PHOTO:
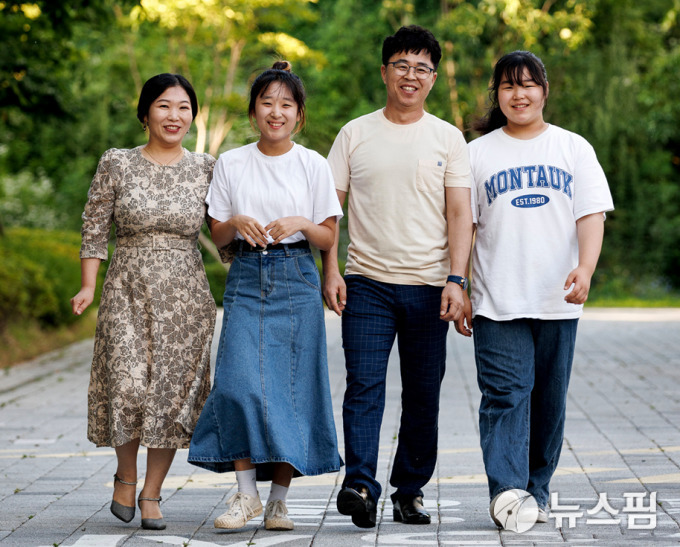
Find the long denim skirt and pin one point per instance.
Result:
(270, 399)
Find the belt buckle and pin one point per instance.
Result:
(258, 249)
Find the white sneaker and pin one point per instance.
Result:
(542, 515)
(276, 516)
(242, 508)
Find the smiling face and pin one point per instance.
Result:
(169, 117)
(522, 103)
(406, 93)
(276, 115)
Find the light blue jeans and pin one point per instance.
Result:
(523, 370)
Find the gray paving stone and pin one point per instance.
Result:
(622, 438)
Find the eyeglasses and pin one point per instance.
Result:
(402, 69)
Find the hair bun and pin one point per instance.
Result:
(282, 65)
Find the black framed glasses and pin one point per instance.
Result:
(402, 68)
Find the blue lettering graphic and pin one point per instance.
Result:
(502, 178)
(542, 180)
(530, 200)
(490, 188)
(515, 178)
(566, 181)
(537, 176)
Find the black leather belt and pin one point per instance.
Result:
(246, 247)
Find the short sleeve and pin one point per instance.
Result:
(458, 164)
(338, 159)
(591, 191)
(98, 214)
(474, 196)
(326, 203)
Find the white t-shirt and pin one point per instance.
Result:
(396, 177)
(526, 198)
(298, 183)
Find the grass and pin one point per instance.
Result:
(633, 302)
(26, 340)
(623, 292)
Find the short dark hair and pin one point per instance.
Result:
(510, 67)
(281, 71)
(412, 39)
(155, 86)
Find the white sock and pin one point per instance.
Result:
(277, 492)
(246, 482)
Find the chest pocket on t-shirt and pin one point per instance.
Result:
(430, 175)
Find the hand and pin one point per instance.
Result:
(335, 292)
(464, 323)
(281, 228)
(82, 300)
(251, 230)
(580, 279)
(452, 303)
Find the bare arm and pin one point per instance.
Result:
(334, 289)
(590, 230)
(88, 274)
(464, 323)
(459, 223)
(320, 235)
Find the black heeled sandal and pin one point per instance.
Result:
(151, 524)
(123, 512)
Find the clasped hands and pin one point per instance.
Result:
(257, 235)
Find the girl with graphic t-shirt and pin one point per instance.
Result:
(538, 198)
(269, 413)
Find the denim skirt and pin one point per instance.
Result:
(270, 399)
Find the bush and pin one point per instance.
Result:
(39, 273)
(25, 291)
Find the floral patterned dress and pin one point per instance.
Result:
(151, 368)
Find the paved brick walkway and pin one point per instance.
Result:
(622, 448)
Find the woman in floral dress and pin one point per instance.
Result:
(151, 368)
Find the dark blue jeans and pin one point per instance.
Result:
(523, 370)
(375, 314)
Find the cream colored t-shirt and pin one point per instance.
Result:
(396, 175)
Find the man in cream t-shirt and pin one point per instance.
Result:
(410, 225)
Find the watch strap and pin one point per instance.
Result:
(462, 282)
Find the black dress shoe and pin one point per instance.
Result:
(358, 504)
(409, 510)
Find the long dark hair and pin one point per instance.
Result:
(510, 67)
(279, 72)
(155, 86)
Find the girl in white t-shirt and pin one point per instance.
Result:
(269, 413)
(538, 198)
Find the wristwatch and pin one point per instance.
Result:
(458, 280)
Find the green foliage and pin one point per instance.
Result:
(39, 273)
(24, 289)
(71, 71)
(37, 49)
(217, 278)
(350, 34)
